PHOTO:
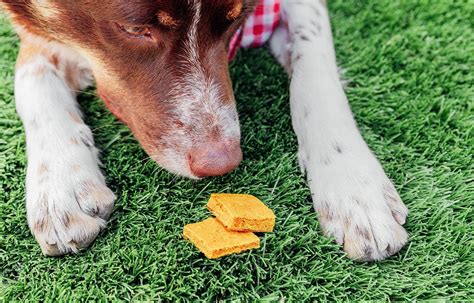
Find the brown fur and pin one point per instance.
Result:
(135, 76)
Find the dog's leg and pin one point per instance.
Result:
(67, 199)
(356, 202)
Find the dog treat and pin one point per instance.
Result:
(242, 212)
(215, 241)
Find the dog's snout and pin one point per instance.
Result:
(214, 159)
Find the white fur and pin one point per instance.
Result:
(45, 8)
(200, 102)
(203, 94)
(356, 202)
(66, 197)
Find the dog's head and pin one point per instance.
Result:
(161, 66)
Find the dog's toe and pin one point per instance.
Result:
(362, 211)
(363, 243)
(62, 231)
(367, 238)
(68, 217)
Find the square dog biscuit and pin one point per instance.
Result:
(242, 212)
(215, 241)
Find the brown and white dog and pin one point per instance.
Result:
(161, 67)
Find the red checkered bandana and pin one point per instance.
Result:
(258, 28)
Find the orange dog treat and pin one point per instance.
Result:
(215, 241)
(241, 212)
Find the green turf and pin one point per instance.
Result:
(411, 69)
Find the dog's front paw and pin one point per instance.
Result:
(67, 205)
(358, 205)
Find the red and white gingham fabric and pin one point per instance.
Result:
(258, 28)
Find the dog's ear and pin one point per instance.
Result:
(16, 7)
(9, 5)
(20, 12)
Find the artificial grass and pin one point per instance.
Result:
(410, 64)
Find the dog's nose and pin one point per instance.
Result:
(214, 159)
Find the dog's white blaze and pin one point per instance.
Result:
(201, 94)
(192, 39)
(61, 158)
(195, 95)
(348, 185)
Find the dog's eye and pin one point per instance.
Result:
(137, 31)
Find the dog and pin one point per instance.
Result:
(161, 67)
